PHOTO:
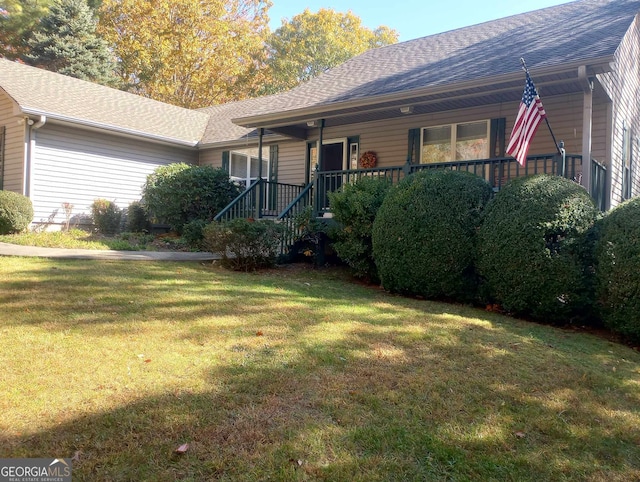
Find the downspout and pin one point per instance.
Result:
(587, 121)
(32, 126)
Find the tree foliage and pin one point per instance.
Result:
(66, 42)
(192, 53)
(17, 19)
(311, 43)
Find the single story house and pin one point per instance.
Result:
(447, 100)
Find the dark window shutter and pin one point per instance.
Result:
(273, 163)
(413, 152)
(496, 138)
(225, 160)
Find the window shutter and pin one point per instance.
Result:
(496, 138)
(413, 148)
(225, 161)
(273, 163)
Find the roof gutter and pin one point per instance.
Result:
(108, 127)
(265, 120)
(242, 142)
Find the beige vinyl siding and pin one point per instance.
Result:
(14, 145)
(291, 158)
(211, 157)
(622, 86)
(599, 131)
(78, 166)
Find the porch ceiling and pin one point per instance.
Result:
(510, 90)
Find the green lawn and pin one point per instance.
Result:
(297, 374)
(81, 239)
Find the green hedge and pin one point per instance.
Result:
(16, 212)
(618, 269)
(531, 248)
(424, 234)
(179, 193)
(244, 244)
(137, 218)
(354, 208)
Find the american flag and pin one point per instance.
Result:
(529, 116)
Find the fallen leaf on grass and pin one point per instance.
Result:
(296, 462)
(76, 456)
(182, 449)
(148, 360)
(520, 434)
(259, 333)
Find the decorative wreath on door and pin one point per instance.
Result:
(368, 160)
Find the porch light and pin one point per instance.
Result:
(407, 109)
(311, 123)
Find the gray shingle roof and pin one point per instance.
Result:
(220, 127)
(547, 38)
(564, 34)
(39, 91)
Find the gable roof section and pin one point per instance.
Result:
(220, 129)
(561, 37)
(67, 99)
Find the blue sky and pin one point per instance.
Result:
(413, 18)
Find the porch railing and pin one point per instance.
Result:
(288, 216)
(496, 172)
(331, 181)
(499, 171)
(243, 206)
(270, 199)
(261, 199)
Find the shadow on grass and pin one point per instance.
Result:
(401, 390)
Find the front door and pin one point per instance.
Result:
(333, 158)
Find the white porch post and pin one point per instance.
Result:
(587, 120)
(261, 189)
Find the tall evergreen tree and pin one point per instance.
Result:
(17, 19)
(66, 42)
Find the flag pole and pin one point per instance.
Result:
(559, 147)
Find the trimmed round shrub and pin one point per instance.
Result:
(193, 233)
(424, 234)
(106, 216)
(16, 212)
(618, 269)
(137, 218)
(354, 208)
(178, 193)
(244, 244)
(531, 248)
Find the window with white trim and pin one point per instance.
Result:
(455, 142)
(244, 166)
